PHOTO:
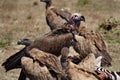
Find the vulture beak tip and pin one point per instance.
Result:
(19, 42)
(82, 18)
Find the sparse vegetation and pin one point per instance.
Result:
(26, 20)
(83, 2)
(6, 40)
(109, 24)
(110, 29)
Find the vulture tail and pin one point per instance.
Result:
(14, 61)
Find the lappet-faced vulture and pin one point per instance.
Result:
(56, 18)
(92, 42)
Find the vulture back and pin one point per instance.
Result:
(53, 43)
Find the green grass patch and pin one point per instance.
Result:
(6, 39)
(110, 29)
(109, 23)
(82, 2)
(112, 40)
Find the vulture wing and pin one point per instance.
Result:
(64, 14)
(14, 61)
(75, 72)
(34, 70)
(51, 61)
(92, 42)
(53, 19)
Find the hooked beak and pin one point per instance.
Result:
(45, 0)
(19, 42)
(82, 18)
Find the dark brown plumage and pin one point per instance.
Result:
(53, 17)
(56, 18)
(92, 42)
(51, 43)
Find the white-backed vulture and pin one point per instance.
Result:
(61, 18)
(35, 71)
(43, 66)
(92, 42)
(88, 63)
(76, 72)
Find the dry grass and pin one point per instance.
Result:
(26, 18)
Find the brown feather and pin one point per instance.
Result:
(74, 72)
(34, 70)
(56, 18)
(47, 59)
(92, 42)
(77, 72)
(53, 43)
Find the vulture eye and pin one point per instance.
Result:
(76, 16)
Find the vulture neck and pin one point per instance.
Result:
(48, 4)
(76, 26)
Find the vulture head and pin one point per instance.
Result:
(24, 41)
(76, 19)
(45, 1)
(48, 3)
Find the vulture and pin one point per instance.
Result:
(84, 43)
(35, 71)
(52, 43)
(74, 71)
(42, 66)
(56, 18)
(88, 41)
